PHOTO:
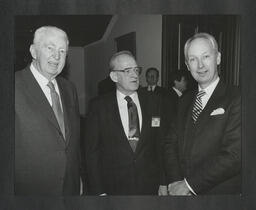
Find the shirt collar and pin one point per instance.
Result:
(209, 90)
(179, 93)
(151, 87)
(39, 77)
(122, 96)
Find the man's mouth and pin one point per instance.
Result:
(53, 64)
(134, 81)
(202, 73)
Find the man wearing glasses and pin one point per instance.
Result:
(122, 152)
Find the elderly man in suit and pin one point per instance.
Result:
(47, 157)
(208, 133)
(122, 152)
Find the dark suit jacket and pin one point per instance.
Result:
(174, 99)
(45, 163)
(162, 104)
(157, 90)
(209, 152)
(112, 166)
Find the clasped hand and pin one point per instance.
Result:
(178, 188)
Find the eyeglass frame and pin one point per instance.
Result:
(128, 70)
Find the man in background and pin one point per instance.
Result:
(47, 152)
(178, 86)
(152, 77)
(122, 152)
(208, 132)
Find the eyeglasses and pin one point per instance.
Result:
(129, 70)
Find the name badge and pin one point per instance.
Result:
(155, 122)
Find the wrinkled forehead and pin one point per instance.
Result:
(52, 35)
(124, 61)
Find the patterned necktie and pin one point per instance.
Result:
(134, 128)
(57, 108)
(197, 108)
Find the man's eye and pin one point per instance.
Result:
(191, 60)
(49, 48)
(63, 51)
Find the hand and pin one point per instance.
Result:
(162, 190)
(178, 188)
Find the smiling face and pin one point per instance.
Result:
(125, 83)
(49, 53)
(202, 61)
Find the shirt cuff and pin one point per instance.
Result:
(189, 187)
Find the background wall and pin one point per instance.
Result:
(76, 73)
(148, 30)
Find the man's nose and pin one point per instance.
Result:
(200, 63)
(56, 55)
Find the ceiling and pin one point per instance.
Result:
(81, 30)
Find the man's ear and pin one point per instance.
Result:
(218, 58)
(32, 51)
(113, 76)
(187, 65)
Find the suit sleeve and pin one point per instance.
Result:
(171, 160)
(227, 162)
(92, 151)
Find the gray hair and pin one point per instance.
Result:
(112, 59)
(42, 31)
(205, 36)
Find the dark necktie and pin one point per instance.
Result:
(134, 127)
(57, 108)
(197, 108)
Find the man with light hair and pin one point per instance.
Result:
(47, 153)
(208, 132)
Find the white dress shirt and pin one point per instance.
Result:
(151, 88)
(123, 110)
(179, 93)
(209, 90)
(42, 81)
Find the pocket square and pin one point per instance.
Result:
(218, 111)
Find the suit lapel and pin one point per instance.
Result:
(186, 111)
(66, 106)
(213, 101)
(37, 96)
(113, 112)
(145, 120)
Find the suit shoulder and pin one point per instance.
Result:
(19, 77)
(102, 99)
(232, 91)
(67, 83)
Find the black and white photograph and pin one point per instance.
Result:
(136, 105)
(150, 107)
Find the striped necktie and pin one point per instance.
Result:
(57, 108)
(134, 127)
(197, 108)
